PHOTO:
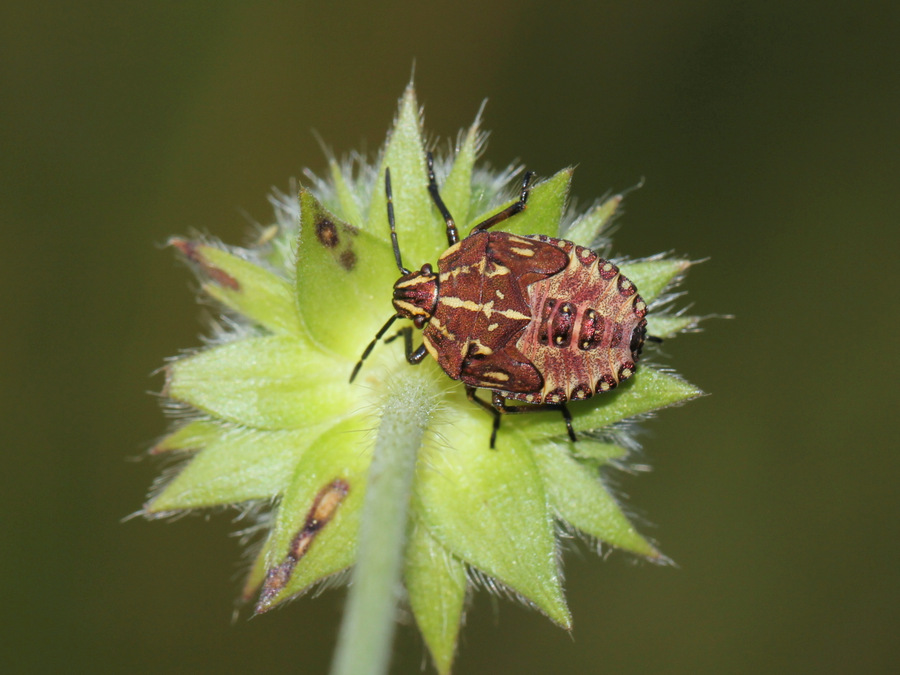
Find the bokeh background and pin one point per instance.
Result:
(768, 137)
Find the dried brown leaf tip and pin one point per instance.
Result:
(320, 514)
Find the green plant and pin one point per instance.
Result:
(393, 473)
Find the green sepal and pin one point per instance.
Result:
(243, 464)
(647, 391)
(244, 287)
(340, 454)
(350, 210)
(420, 230)
(599, 452)
(344, 275)
(436, 585)
(587, 229)
(669, 325)
(194, 435)
(651, 277)
(546, 204)
(471, 495)
(580, 499)
(264, 383)
(262, 296)
(457, 189)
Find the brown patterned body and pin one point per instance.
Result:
(534, 318)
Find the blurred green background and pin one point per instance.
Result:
(768, 136)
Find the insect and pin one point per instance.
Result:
(531, 318)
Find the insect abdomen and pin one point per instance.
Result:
(587, 328)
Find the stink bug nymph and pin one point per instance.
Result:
(531, 318)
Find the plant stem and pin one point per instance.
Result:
(367, 630)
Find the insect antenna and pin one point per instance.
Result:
(390, 211)
(452, 232)
(384, 329)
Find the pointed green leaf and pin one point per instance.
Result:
(342, 454)
(241, 465)
(648, 390)
(350, 210)
(471, 495)
(599, 452)
(546, 205)
(244, 287)
(581, 500)
(194, 435)
(457, 189)
(669, 325)
(345, 279)
(436, 582)
(421, 233)
(586, 230)
(265, 383)
(651, 277)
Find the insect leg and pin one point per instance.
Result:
(452, 232)
(470, 394)
(512, 209)
(368, 350)
(567, 418)
(499, 402)
(414, 357)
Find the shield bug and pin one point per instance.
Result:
(531, 318)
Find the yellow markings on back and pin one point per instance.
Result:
(429, 347)
(487, 308)
(512, 314)
(493, 327)
(499, 294)
(497, 375)
(499, 270)
(455, 272)
(441, 328)
(489, 312)
(481, 348)
(450, 251)
(458, 303)
(526, 252)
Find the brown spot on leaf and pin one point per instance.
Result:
(327, 233)
(348, 259)
(191, 251)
